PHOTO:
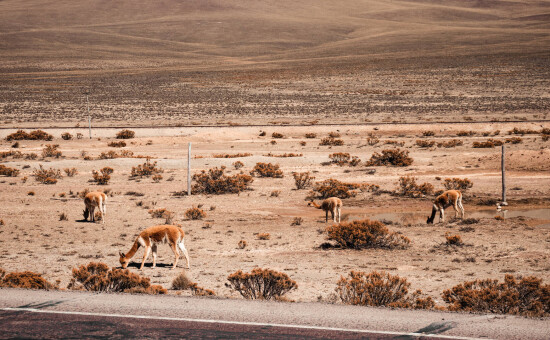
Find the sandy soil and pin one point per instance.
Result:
(34, 239)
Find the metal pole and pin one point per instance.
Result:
(189, 171)
(89, 117)
(503, 167)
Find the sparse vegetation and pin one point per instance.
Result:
(311, 135)
(146, 169)
(9, 172)
(425, 143)
(33, 135)
(388, 157)
(514, 140)
(235, 155)
(49, 176)
(408, 187)
(181, 282)
(465, 133)
(238, 164)
(103, 176)
(453, 240)
(195, 213)
(334, 188)
(267, 170)
(277, 135)
(242, 244)
(264, 236)
(51, 150)
(344, 158)
(489, 143)
(450, 143)
(361, 234)
(119, 144)
(70, 171)
(66, 136)
(302, 180)
(264, 284)
(428, 133)
(63, 217)
(462, 184)
(26, 279)
(125, 134)
(216, 182)
(331, 141)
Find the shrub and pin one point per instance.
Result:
(365, 233)
(450, 144)
(394, 142)
(518, 296)
(372, 140)
(331, 141)
(242, 244)
(489, 143)
(238, 165)
(275, 193)
(267, 170)
(297, 221)
(7, 171)
(119, 144)
(159, 213)
(51, 150)
(264, 236)
(393, 157)
(71, 171)
(156, 178)
(125, 134)
(380, 289)
(428, 133)
(236, 155)
(453, 240)
(67, 136)
(522, 132)
(26, 279)
(457, 184)
(425, 143)
(195, 213)
(334, 134)
(514, 140)
(265, 284)
(216, 182)
(284, 155)
(199, 291)
(465, 133)
(97, 277)
(340, 158)
(408, 187)
(103, 176)
(302, 180)
(181, 282)
(44, 176)
(277, 135)
(311, 135)
(146, 169)
(334, 188)
(63, 217)
(33, 135)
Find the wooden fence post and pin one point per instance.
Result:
(503, 168)
(189, 171)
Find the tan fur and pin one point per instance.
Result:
(448, 198)
(93, 200)
(150, 238)
(332, 205)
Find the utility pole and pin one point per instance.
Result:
(189, 170)
(503, 167)
(89, 117)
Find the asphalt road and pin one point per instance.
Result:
(67, 314)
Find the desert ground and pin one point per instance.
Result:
(218, 73)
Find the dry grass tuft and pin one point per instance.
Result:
(525, 296)
(238, 164)
(70, 171)
(425, 143)
(267, 170)
(216, 182)
(264, 284)
(63, 217)
(344, 158)
(195, 213)
(181, 282)
(242, 244)
(66, 136)
(7, 171)
(26, 279)
(514, 140)
(362, 234)
(125, 134)
(264, 236)
(393, 157)
(311, 135)
(407, 187)
(277, 135)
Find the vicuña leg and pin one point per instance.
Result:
(339, 214)
(176, 255)
(154, 251)
(461, 207)
(441, 215)
(147, 250)
(92, 215)
(103, 212)
(184, 250)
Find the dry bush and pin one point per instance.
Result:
(7, 171)
(113, 154)
(14, 154)
(545, 131)
(265, 284)
(70, 171)
(51, 150)
(97, 277)
(238, 165)
(264, 236)
(334, 134)
(365, 233)
(458, 184)
(242, 244)
(297, 221)
(334, 188)
(516, 131)
(267, 170)
(453, 240)
(525, 296)
(181, 282)
(119, 144)
(450, 144)
(545, 138)
(514, 140)
(372, 140)
(146, 169)
(428, 133)
(103, 176)
(30, 193)
(394, 142)
(311, 135)
(465, 133)
(26, 279)
(67, 136)
(407, 187)
(343, 158)
(236, 155)
(489, 143)
(302, 180)
(216, 182)
(380, 289)
(33, 135)
(284, 155)
(156, 178)
(393, 157)
(195, 213)
(275, 193)
(125, 134)
(199, 291)
(63, 217)
(499, 218)
(2, 223)
(44, 176)
(159, 213)
(277, 135)
(425, 143)
(331, 141)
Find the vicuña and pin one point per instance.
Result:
(448, 198)
(93, 200)
(150, 238)
(332, 204)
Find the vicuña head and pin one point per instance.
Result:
(93, 200)
(448, 198)
(150, 238)
(332, 204)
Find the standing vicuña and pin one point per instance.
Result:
(332, 204)
(445, 200)
(150, 238)
(93, 200)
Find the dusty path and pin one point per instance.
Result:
(124, 314)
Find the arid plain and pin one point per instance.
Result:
(218, 73)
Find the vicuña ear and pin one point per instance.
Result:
(121, 254)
